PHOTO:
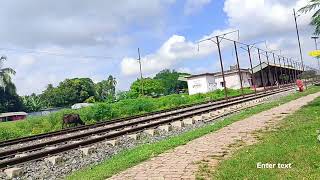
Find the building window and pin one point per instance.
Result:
(222, 84)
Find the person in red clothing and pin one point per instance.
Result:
(300, 85)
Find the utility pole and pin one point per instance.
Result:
(141, 78)
(316, 45)
(298, 36)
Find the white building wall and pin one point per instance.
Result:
(205, 84)
(233, 81)
(198, 85)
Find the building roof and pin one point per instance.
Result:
(13, 114)
(264, 65)
(215, 74)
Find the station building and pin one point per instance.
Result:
(207, 82)
(269, 74)
(264, 74)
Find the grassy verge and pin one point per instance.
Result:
(129, 158)
(295, 142)
(106, 112)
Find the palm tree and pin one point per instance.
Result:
(5, 74)
(313, 5)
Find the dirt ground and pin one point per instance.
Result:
(184, 161)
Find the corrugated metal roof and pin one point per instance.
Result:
(257, 68)
(13, 114)
(218, 73)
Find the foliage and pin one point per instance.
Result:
(170, 81)
(129, 158)
(106, 89)
(69, 92)
(5, 74)
(107, 111)
(284, 78)
(308, 74)
(32, 103)
(313, 5)
(151, 87)
(9, 100)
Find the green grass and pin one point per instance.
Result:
(129, 158)
(295, 141)
(106, 112)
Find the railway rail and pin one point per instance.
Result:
(111, 130)
(114, 121)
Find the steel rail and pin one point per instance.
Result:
(63, 148)
(104, 123)
(5, 154)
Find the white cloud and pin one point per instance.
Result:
(269, 20)
(173, 51)
(193, 6)
(76, 22)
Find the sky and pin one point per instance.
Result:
(47, 42)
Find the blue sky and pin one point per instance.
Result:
(47, 42)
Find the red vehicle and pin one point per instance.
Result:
(13, 116)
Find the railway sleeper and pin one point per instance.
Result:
(13, 172)
(188, 121)
(54, 160)
(151, 132)
(165, 128)
(177, 124)
(86, 151)
(113, 142)
(134, 136)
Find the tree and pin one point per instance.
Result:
(106, 89)
(5, 74)
(313, 5)
(32, 103)
(170, 81)
(9, 100)
(308, 74)
(69, 92)
(151, 87)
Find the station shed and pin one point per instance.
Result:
(269, 74)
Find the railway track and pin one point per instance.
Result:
(114, 121)
(110, 130)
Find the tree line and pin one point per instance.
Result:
(79, 90)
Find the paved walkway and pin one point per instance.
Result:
(183, 161)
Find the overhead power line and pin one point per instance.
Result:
(31, 51)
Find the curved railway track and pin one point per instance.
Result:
(110, 130)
